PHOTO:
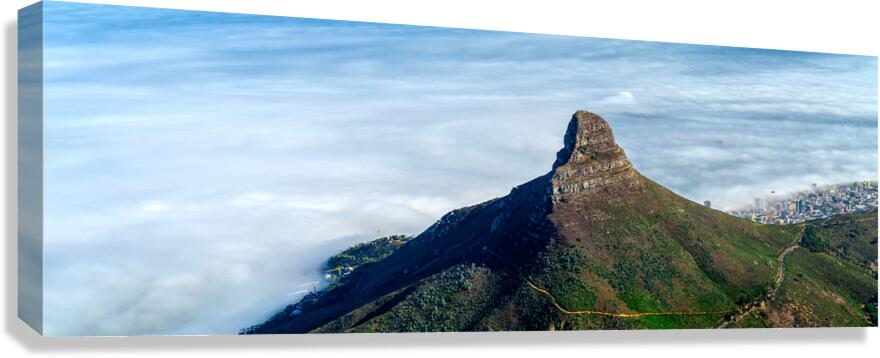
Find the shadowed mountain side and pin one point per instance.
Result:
(592, 244)
(514, 226)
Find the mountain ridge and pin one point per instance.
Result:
(593, 234)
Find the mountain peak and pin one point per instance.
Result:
(592, 244)
(590, 158)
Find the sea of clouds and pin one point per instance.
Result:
(199, 167)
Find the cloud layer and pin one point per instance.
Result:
(200, 166)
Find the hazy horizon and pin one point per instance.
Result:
(199, 166)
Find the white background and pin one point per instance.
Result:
(827, 26)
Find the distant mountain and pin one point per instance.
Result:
(593, 244)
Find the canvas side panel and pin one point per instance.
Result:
(30, 166)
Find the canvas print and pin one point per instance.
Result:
(202, 173)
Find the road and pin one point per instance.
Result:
(740, 312)
(617, 314)
(555, 302)
(827, 224)
(780, 277)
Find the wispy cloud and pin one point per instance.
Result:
(200, 166)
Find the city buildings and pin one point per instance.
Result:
(820, 202)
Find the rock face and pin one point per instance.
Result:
(590, 160)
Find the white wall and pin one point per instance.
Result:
(826, 26)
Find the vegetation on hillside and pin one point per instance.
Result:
(668, 263)
(364, 253)
(337, 266)
(831, 281)
(851, 237)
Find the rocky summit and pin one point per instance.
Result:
(593, 244)
(590, 160)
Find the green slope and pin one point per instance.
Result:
(831, 281)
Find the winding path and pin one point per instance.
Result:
(780, 277)
(613, 314)
(740, 311)
(780, 274)
(562, 309)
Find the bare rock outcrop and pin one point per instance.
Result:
(590, 160)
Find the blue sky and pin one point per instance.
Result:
(199, 166)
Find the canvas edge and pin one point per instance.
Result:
(30, 166)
